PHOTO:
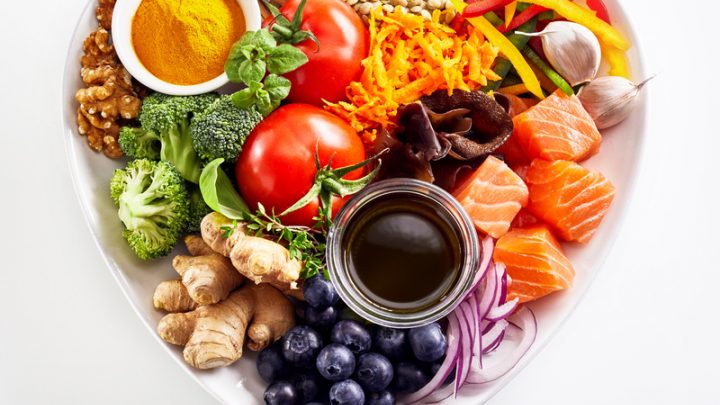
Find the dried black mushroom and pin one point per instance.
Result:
(441, 135)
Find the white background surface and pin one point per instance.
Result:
(647, 332)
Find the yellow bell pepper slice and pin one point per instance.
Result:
(510, 10)
(618, 62)
(507, 48)
(605, 32)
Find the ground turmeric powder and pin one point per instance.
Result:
(186, 41)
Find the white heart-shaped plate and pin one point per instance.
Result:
(240, 384)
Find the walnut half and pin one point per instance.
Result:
(109, 95)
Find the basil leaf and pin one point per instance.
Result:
(252, 71)
(277, 86)
(235, 58)
(285, 58)
(260, 39)
(244, 98)
(255, 86)
(219, 193)
(263, 102)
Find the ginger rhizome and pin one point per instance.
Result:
(260, 260)
(214, 335)
(206, 278)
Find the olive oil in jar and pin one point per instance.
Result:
(403, 253)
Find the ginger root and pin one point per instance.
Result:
(214, 335)
(206, 278)
(173, 296)
(258, 259)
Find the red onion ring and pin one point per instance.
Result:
(528, 326)
(503, 311)
(476, 327)
(488, 247)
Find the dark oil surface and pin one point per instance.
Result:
(403, 253)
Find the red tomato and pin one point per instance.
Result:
(343, 45)
(277, 164)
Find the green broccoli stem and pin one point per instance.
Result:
(177, 149)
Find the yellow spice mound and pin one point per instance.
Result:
(186, 41)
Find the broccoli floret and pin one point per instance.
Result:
(138, 143)
(169, 117)
(220, 131)
(198, 210)
(153, 204)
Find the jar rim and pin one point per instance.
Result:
(359, 302)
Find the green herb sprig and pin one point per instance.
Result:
(304, 243)
(258, 61)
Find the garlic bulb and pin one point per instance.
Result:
(572, 50)
(610, 99)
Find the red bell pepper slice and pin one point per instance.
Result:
(457, 22)
(523, 17)
(598, 6)
(482, 7)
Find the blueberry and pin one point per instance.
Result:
(301, 344)
(346, 392)
(271, 364)
(428, 342)
(308, 385)
(281, 393)
(335, 362)
(380, 398)
(353, 335)
(374, 372)
(319, 292)
(390, 342)
(409, 378)
(321, 318)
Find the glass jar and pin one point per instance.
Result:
(344, 280)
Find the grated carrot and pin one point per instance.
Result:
(409, 58)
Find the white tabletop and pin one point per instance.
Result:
(647, 332)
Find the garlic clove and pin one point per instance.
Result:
(611, 99)
(572, 49)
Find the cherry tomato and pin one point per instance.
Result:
(277, 164)
(343, 45)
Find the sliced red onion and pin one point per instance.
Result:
(495, 344)
(492, 335)
(439, 395)
(488, 247)
(528, 326)
(477, 346)
(503, 311)
(486, 295)
(476, 327)
(446, 368)
(465, 357)
(503, 282)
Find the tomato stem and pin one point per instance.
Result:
(286, 31)
(329, 182)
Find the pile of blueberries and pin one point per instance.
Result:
(334, 357)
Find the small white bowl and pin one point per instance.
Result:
(122, 40)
